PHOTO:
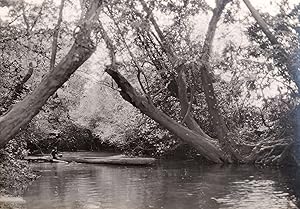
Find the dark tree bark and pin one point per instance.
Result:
(206, 71)
(200, 141)
(207, 149)
(207, 84)
(24, 111)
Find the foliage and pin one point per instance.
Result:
(54, 127)
(254, 90)
(16, 175)
(243, 74)
(148, 139)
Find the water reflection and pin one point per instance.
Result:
(170, 185)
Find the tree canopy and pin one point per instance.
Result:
(222, 78)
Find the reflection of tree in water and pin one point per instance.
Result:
(258, 188)
(92, 186)
(289, 180)
(256, 194)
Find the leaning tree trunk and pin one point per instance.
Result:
(207, 77)
(180, 69)
(206, 72)
(22, 113)
(292, 61)
(201, 143)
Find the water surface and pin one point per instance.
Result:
(169, 185)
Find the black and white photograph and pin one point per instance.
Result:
(149, 104)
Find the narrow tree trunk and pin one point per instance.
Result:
(184, 104)
(181, 83)
(206, 73)
(210, 97)
(217, 119)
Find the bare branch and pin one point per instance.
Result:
(55, 36)
(165, 87)
(134, 60)
(25, 19)
(109, 44)
(291, 64)
(262, 23)
(189, 107)
(166, 46)
(38, 16)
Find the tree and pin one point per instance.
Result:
(194, 135)
(164, 59)
(82, 49)
(288, 59)
(225, 149)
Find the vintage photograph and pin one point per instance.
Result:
(149, 104)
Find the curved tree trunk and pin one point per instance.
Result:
(184, 104)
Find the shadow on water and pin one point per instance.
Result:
(169, 185)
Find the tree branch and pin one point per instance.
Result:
(263, 25)
(55, 36)
(83, 47)
(291, 64)
(179, 68)
(135, 62)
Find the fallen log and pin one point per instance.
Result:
(43, 159)
(113, 160)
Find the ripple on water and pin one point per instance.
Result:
(256, 194)
(170, 186)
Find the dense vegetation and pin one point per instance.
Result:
(171, 86)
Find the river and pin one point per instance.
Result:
(168, 185)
